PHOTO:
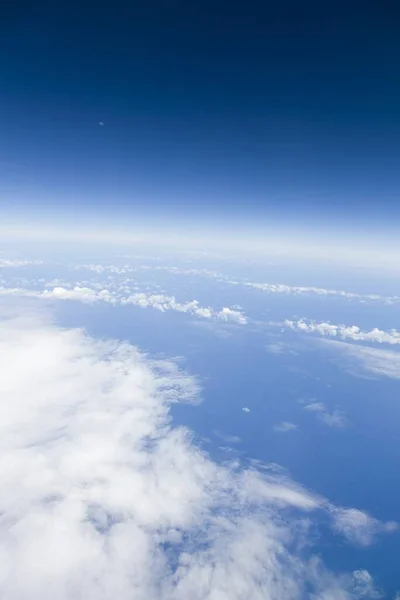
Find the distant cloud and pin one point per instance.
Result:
(384, 363)
(270, 288)
(280, 348)
(229, 439)
(284, 427)
(160, 302)
(245, 409)
(102, 497)
(315, 407)
(279, 288)
(352, 332)
(12, 263)
(335, 418)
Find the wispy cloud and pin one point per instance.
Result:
(13, 263)
(103, 498)
(385, 363)
(352, 332)
(267, 287)
(359, 527)
(280, 288)
(284, 427)
(336, 418)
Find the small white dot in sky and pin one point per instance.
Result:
(245, 409)
(101, 123)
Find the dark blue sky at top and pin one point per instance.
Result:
(207, 106)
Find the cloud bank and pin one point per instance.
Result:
(102, 498)
(160, 302)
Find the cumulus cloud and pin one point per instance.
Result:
(160, 302)
(102, 497)
(245, 409)
(352, 332)
(270, 288)
(284, 427)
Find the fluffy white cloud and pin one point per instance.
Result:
(164, 303)
(160, 302)
(83, 294)
(103, 498)
(352, 332)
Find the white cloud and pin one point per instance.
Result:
(284, 427)
(229, 439)
(335, 418)
(270, 288)
(102, 498)
(245, 409)
(352, 332)
(83, 294)
(385, 363)
(164, 303)
(11, 263)
(358, 527)
(160, 302)
(228, 314)
(315, 407)
(280, 288)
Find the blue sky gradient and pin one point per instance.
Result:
(258, 113)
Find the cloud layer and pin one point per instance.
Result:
(102, 498)
(160, 302)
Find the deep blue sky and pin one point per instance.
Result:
(237, 107)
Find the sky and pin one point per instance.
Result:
(252, 113)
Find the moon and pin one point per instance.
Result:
(101, 123)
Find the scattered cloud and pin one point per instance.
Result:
(160, 302)
(12, 263)
(352, 332)
(102, 497)
(245, 409)
(270, 288)
(229, 439)
(315, 407)
(280, 348)
(335, 418)
(284, 427)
